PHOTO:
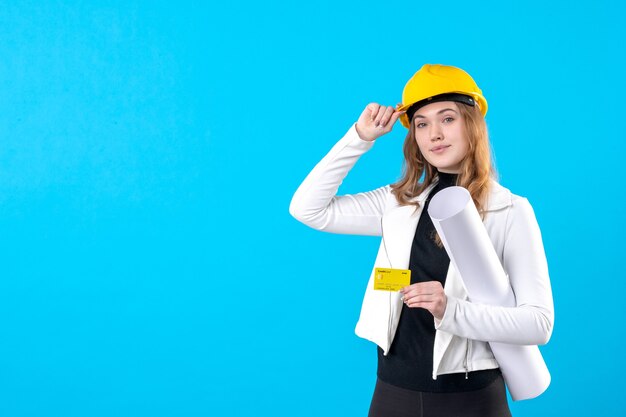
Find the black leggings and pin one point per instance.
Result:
(391, 401)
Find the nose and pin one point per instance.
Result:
(435, 133)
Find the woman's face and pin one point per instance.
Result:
(440, 135)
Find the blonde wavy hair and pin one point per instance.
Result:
(476, 168)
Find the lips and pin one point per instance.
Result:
(439, 148)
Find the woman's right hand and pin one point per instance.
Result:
(376, 120)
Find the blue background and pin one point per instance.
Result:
(149, 152)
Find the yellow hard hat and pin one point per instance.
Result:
(435, 82)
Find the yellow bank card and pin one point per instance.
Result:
(387, 279)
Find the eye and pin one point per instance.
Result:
(449, 118)
(420, 124)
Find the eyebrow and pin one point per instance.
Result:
(439, 112)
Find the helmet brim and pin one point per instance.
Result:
(478, 98)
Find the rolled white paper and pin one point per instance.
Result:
(467, 243)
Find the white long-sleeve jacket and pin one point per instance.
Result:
(462, 334)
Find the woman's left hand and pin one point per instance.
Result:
(428, 295)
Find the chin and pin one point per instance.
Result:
(449, 169)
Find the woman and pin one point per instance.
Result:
(433, 351)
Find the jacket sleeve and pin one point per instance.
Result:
(530, 322)
(316, 205)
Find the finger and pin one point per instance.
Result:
(416, 301)
(395, 116)
(386, 116)
(420, 290)
(430, 306)
(412, 287)
(412, 292)
(379, 116)
(393, 119)
(407, 288)
(414, 304)
(373, 107)
(419, 297)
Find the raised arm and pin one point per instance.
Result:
(315, 202)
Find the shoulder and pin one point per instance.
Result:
(510, 209)
(501, 197)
